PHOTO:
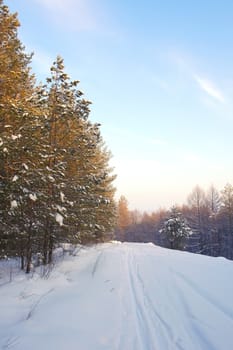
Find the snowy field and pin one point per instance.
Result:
(122, 297)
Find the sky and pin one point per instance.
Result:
(160, 78)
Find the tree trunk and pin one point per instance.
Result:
(22, 262)
(50, 253)
(45, 249)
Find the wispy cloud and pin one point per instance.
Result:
(209, 87)
(182, 60)
(78, 15)
(188, 67)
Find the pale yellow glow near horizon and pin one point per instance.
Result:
(149, 185)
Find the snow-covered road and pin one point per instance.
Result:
(123, 297)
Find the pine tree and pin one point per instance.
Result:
(16, 108)
(78, 184)
(176, 229)
(102, 187)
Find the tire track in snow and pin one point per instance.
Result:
(194, 323)
(137, 296)
(135, 333)
(148, 322)
(96, 264)
(157, 325)
(128, 338)
(155, 316)
(203, 294)
(11, 342)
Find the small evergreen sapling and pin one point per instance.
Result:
(176, 229)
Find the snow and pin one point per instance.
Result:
(14, 204)
(51, 178)
(25, 166)
(33, 197)
(15, 178)
(62, 196)
(61, 209)
(59, 218)
(16, 137)
(121, 296)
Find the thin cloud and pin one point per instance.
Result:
(209, 88)
(77, 15)
(186, 65)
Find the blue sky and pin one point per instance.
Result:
(160, 76)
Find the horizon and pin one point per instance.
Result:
(160, 78)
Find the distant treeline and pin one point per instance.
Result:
(208, 214)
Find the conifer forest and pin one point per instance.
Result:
(55, 181)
